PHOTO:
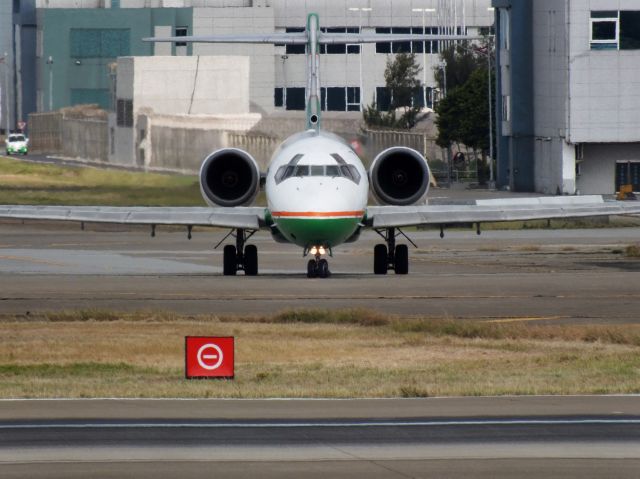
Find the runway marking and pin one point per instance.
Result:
(302, 425)
(528, 318)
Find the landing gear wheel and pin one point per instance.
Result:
(380, 259)
(402, 259)
(230, 265)
(251, 260)
(323, 268)
(312, 269)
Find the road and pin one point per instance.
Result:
(542, 275)
(436, 437)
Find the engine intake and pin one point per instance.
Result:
(399, 176)
(229, 177)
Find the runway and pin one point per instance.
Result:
(528, 275)
(448, 437)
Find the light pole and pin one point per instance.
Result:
(5, 60)
(444, 74)
(492, 182)
(360, 10)
(424, 52)
(50, 63)
(487, 50)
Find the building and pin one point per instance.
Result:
(17, 62)
(7, 71)
(568, 91)
(82, 37)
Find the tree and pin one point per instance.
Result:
(401, 78)
(461, 61)
(463, 116)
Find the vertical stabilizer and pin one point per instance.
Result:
(313, 66)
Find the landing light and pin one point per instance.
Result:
(317, 250)
(321, 250)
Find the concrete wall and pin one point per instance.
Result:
(186, 85)
(604, 84)
(599, 165)
(85, 138)
(70, 134)
(45, 132)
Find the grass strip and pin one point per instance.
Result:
(313, 353)
(24, 182)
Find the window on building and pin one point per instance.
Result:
(484, 31)
(99, 42)
(335, 99)
(331, 98)
(383, 98)
(278, 97)
(506, 108)
(295, 98)
(340, 49)
(628, 173)
(124, 112)
(115, 3)
(353, 98)
(629, 30)
(295, 49)
(181, 32)
(383, 47)
(407, 47)
(505, 29)
(604, 31)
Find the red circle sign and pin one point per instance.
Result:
(209, 357)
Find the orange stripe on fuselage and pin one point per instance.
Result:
(318, 214)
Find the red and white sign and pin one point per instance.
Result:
(21, 125)
(209, 357)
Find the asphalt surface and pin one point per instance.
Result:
(542, 276)
(532, 275)
(484, 437)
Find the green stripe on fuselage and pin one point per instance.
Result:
(327, 232)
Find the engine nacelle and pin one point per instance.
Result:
(229, 177)
(399, 176)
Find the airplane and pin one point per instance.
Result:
(317, 187)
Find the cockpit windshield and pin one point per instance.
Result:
(350, 172)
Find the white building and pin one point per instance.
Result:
(569, 95)
(351, 75)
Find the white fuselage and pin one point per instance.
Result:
(316, 189)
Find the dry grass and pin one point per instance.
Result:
(313, 354)
(632, 251)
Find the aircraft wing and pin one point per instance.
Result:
(516, 209)
(238, 217)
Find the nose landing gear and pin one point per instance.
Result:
(318, 267)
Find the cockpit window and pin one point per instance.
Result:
(342, 170)
(302, 170)
(333, 170)
(317, 170)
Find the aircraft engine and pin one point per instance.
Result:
(229, 177)
(399, 176)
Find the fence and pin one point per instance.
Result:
(69, 135)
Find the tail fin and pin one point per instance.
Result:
(312, 37)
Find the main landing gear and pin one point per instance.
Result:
(240, 257)
(391, 256)
(318, 267)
